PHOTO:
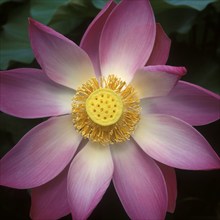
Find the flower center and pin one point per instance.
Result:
(104, 107)
(107, 111)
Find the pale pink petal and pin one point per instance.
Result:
(89, 176)
(170, 178)
(49, 201)
(29, 93)
(61, 59)
(175, 143)
(160, 53)
(191, 103)
(152, 81)
(139, 182)
(41, 154)
(127, 39)
(90, 40)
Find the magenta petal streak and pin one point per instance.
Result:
(160, 53)
(29, 93)
(68, 178)
(61, 59)
(175, 143)
(40, 155)
(89, 176)
(170, 178)
(139, 182)
(122, 50)
(90, 40)
(159, 80)
(49, 201)
(191, 103)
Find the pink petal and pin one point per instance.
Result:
(29, 93)
(175, 143)
(170, 178)
(88, 178)
(40, 155)
(49, 201)
(90, 40)
(127, 39)
(154, 81)
(139, 182)
(160, 53)
(191, 103)
(61, 59)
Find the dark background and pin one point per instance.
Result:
(194, 28)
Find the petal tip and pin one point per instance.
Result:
(30, 20)
(217, 163)
(33, 22)
(183, 71)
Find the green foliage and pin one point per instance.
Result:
(99, 3)
(43, 11)
(15, 44)
(192, 26)
(3, 1)
(170, 23)
(196, 4)
(71, 15)
(178, 16)
(14, 37)
(62, 15)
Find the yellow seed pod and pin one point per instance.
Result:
(104, 107)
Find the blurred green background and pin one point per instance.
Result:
(194, 28)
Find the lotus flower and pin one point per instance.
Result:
(117, 113)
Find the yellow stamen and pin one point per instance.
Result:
(104, 107)
(107, 111)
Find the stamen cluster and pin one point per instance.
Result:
(100, 131)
